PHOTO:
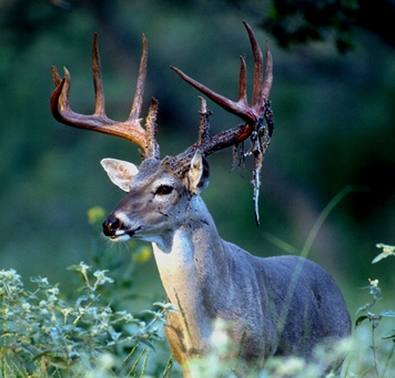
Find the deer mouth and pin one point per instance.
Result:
(133, 231)
(123, 235)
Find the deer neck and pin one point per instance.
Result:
(189, 260)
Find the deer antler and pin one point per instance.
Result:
(130, 129)
(253, 114)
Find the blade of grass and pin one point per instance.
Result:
(306, 250)
(144, 364)
(168, 368)
(134, 367)
(280, 244)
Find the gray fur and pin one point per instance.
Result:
(274, 306)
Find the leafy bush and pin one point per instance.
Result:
(42, 334)
(90, 334)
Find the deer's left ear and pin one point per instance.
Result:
(198, 173)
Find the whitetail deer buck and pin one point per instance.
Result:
(205, 277)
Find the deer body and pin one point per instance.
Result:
(277, 305)
(207, 278)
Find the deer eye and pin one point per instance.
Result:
(162, 190)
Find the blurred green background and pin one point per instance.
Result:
(333, 101)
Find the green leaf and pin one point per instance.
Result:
(388, 314)
(360, 319)
(379, 257)
(165, 306)
(363, 308)
(388, 250)
(389, 337)
(148, 312)
(147, 343)
(96, 214)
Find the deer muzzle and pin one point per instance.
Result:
(115, 229)
(111, 225)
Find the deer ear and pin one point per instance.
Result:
(120, 172)
(198, 173)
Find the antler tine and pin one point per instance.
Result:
(60, 96)
(97, 78)
(258, 58)
(138, 95)
(204, 125)
(243, 81)
(237, 108)
(268, 79)
(151, 129)
(130, 129)
(55, 76)
(253, 115)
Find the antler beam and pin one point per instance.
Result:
(130, 129)
(252, 114)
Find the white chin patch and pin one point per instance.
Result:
(120, 238)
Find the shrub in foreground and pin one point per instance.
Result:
(42, 334)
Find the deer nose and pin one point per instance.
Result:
(111, 225)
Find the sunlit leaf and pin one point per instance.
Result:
(379, 257)
(96, 214)
(388, 314)
(143, 255)
(388, 250)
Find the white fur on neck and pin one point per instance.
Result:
(177, 251)
(175, 257)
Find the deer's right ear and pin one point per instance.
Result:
(120, 172)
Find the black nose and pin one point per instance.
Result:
(111, 225)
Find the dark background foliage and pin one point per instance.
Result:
(333, 100)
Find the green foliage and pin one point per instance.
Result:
(388, 250)
(295, 22)
(355, 351)
(375, 317)
(96, 215)
(43, 333)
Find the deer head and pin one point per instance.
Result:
(161, 192)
